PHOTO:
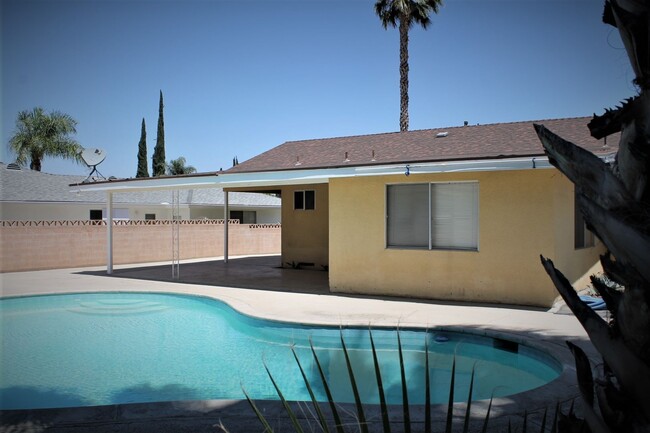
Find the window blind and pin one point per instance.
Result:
(408, 215)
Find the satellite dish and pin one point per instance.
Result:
(93, 157)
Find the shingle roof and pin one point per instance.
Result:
(500, 140)
(34, 186)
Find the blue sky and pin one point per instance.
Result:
(241, 77)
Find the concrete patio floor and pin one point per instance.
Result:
(257, 286)
(252, 272)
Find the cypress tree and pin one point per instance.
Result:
(158, 160)
(143, 171)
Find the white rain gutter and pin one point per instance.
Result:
(322, 175)
(317, 175)
(148, 184)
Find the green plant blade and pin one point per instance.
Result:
(265, 423)
(487, 415)
(427, 384)
(292, 416)
(380, 386)
(450, 406)
(555, 418)
(330, 399)
(469, 401)
(355, 390)
(543, 428)
(523, 427)
(405, 395)
(319, 412)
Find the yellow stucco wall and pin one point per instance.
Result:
(306, 237)
(522, 214)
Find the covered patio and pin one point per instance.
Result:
(250, 272)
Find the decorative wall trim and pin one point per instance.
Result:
(33, 245)
(127, 223)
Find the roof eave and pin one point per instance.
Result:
(150, 183)
(322, 175)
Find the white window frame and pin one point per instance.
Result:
(431, 246)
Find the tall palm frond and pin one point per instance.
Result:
(177, 166)
(406, 13)
(39, 134)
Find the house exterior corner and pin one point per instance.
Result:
(521, 214)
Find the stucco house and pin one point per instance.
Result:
(459, 213)
(28, 195)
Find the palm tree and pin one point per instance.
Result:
(407, 12)
(615, 202)
(39, 134)
(177, 166)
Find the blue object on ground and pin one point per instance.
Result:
(594, 302)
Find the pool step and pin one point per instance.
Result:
(118, 307)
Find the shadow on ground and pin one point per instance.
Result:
(261, 273)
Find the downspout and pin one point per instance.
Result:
(109, 232)
(225, 226)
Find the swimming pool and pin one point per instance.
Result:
(108, 348)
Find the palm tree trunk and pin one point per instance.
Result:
(404, 73)
(615, 203)
(35, 163)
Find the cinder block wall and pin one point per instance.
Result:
(35, 245)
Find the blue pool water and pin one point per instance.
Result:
(107, 348)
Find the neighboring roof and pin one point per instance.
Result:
(494, 141)
(26, 185)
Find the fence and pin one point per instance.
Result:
(34, 245)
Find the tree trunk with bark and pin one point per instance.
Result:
(404, 73)
(615, 202)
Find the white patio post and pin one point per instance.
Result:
(226, 215)
(109, 232)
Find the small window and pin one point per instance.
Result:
(583, 238)
(304, 200)
(150, 216)
(244, 216)
(95, 214)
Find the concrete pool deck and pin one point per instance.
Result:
(295, 296)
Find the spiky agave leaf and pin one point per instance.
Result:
(543, 427)
(586, 385)
(555, 418)
(469, 401)
(591, 175)
(631, 371)
(629, 243)
(328, 393)
(292, 415)
(405, 394)
(450, 406)
(487, 415)
(319, 412)
(523, 427)
(380, 386)
(258, 413)
(355, 390)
